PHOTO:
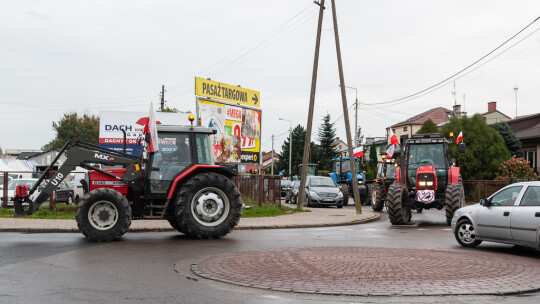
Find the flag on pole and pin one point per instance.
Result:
(460, 137)
(393, 138)
(358, 152)
(390, 151)
(151, 128)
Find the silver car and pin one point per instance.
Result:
(511, 215)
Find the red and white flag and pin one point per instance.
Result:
(358, 152)
(151, 128)
(393, 138)
(390, 151)
(459, 137)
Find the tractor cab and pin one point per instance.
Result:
(427, 163)
(386, 169)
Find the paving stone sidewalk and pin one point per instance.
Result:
(318, 217)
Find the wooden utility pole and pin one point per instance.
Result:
(162, 97)
(352, 160)
(272, 170)
(302, 188)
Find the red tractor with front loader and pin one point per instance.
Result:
(179, 183)
(426, 178)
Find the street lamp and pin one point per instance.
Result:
(355, 117)
(290, 145)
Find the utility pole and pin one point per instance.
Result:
(515, 90)
(272, 170)
(302, 188)
(352, 160)
(162, 97)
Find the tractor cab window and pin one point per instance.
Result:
(204, 149)
(380, 170)
(390, 171)
(173, 156)
(345, 166)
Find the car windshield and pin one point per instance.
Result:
(322, 182)
(285, 183)
(296, 185)
(16, 182)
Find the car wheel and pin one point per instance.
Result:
(466, 234)
(70, 200)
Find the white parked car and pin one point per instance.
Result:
(511, 215)
(77, 188)
(12, 185)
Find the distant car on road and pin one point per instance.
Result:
(323, 191)
(292, 192)
(284, 184)
(511, 215)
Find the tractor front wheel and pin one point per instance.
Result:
(208, 206)
(103, 215)
(345, 190)
(398, 213)
(454, 199)
(377, 202)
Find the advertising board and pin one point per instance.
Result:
(111, 124)
(238, 137)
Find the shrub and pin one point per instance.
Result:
(514, 167)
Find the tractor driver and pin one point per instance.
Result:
(181, 154)
(426, 154)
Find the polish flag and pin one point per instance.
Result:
(459, 137)
(151, 128)
(358, 152)
(393, 138)
(390, 151)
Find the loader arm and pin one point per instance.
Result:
(81, 154)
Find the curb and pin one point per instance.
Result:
(373, 218)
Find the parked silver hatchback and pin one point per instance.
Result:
(511, 215)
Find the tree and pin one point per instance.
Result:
(360, 136)
(85, 128)
(428, 127)
(169, 110)
(326, 135)
(1, 152)
(510, 140)
(514, 167)
(485, 147)
(298, 138)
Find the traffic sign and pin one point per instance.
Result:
(226, 92)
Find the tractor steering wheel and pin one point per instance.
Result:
(429, 161)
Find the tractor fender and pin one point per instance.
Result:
(334, 176)
(398, 175)
(196, 169)
(453, 175)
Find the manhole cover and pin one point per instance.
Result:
(375, 271)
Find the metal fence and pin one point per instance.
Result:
(250, 185)
(475, 190)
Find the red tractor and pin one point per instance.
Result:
(179, 183)
(426, 178)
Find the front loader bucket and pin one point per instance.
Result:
(23, 207)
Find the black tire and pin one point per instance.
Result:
(454, 199)
(369, 189)
(69, 200)
(397, 212)
(377, 201)
(345, 190)
(103, 215)
(419, 210)
(174, 224)
(208, 206)
(77, 199)
(466, 234)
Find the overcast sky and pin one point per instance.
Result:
(85, 56)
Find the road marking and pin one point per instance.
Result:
(347, 229)
(422, 229)
(447, 229)
(370, 229)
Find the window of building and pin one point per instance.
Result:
(405, 129)
(339, 147)
(530, 156)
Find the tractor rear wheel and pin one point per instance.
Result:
(454, 199)
(103, 215)
(398, 213)
(345, 190)
(377, 202)
(208, 206)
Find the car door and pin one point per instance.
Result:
(493, 221)
(61, 192)
(525, 219)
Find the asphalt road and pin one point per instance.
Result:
(155, 267)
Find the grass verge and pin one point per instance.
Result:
(62, 211)
(267, 209)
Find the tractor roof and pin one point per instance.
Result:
(426, 139)
(188, 129)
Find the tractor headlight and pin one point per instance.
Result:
(425, 180)
(422, 183)
(429, 183)
(360, 182)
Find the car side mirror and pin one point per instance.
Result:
(461, 147)
(485, 202)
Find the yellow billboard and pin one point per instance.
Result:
(227, 92)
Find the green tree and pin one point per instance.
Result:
(360, 136)
(326, 136)
(485, 147)
(1, 152)
(373, 158)
(85, 128)
(298, 138)
(428, 127)
(510, 140)
(169, 110)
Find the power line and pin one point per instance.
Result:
(461, 71)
